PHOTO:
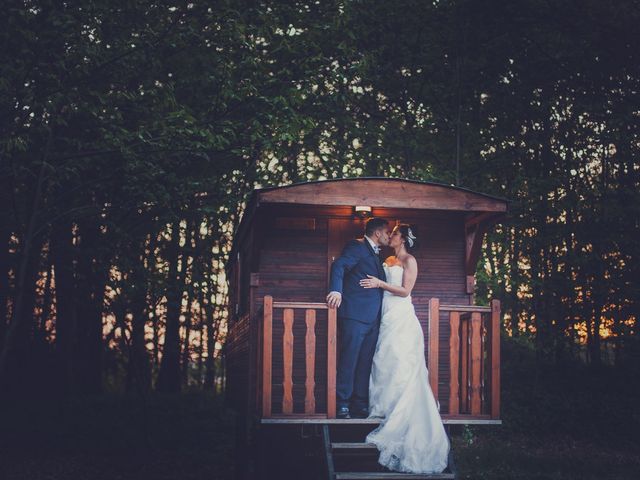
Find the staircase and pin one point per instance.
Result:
(347, 457)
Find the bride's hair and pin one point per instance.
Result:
(408, 233)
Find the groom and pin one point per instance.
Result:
(358, 316)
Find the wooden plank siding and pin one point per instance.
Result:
(293, 267)
(241, 346)
(284, 255)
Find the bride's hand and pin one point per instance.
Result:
(371, 282)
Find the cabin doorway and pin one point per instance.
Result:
(340, 231)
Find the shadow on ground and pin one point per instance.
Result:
(187, 436)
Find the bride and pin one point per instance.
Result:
(411, 437)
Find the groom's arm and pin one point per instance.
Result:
(346, 261)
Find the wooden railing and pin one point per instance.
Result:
(287, 351)
(474, 358)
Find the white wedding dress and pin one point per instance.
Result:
(411, 437)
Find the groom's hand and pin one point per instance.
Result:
(334, 299)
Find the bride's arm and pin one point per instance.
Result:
(408, 280)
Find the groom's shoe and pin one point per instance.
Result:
(343, 413)
(360, 413)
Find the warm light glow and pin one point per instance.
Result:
(362, 211)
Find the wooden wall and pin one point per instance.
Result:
(291, 260)
(292, 267)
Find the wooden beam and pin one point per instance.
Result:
(474, 229)
(434, 332)
(478, 218)
(266, 355)
(383, 192)
(495, 359)
(301, 419)
(473, 243)
(476, 358)
(471, 284)
(287, 353)
(304, 305)
(331, 363)
(310, 358)
(391, 476)
(454, 365)
(259, 357)
(464, 308)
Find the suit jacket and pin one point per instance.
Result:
(356, 262)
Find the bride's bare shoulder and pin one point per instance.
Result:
(391, 261)
(409, 261)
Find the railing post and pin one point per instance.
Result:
(464, 366)
(476, 358)
(454, 356)
(434, 333)
(287, 354)
(331, 363)
(310, 360)
(495, 359)
(266, 356)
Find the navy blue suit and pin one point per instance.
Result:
(358, 321)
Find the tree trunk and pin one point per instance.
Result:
(40, 332)
(62, 255)
(138, 371)
(92, 276)
(19, 364)
(169, 375)
(152, 300)
(210, 367)
(40, 350)
(202, 326)
(16, 333)
(186, 350)
(514, 240)
(5, 260)
(194, 275)
(598, 287)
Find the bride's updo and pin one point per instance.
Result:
(408, 233)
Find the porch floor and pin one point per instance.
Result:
(447, 420)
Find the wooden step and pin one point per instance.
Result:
(342, 445)
(392, 475)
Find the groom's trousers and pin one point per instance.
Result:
(357, 344)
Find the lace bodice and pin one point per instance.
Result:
(394, 275)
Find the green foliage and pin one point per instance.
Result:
(134, 116)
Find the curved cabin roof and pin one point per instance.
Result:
(377, 192)
(381, 192)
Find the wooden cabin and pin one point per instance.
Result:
(281, 344)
